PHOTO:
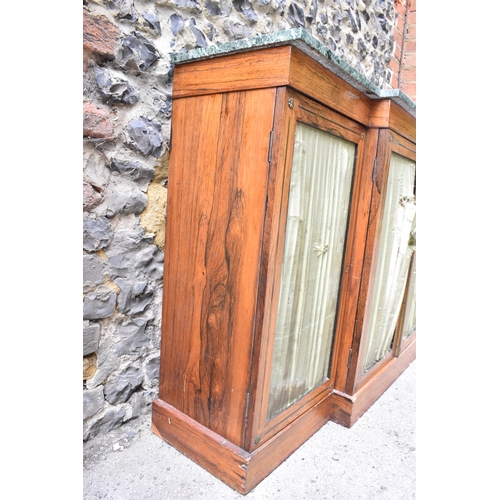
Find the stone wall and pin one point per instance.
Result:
(127, 86)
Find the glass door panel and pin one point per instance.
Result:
(410, 317)
(318, 207)
(392, 257)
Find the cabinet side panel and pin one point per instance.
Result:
(191, 167)
(214, 231)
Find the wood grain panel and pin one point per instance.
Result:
(347, 409)
(233, 465)
(217, 455)
(387, 114)
(358, 226)
(215, 216)
(248, 70)
(402, 122)
(314, 80)
(379, 175)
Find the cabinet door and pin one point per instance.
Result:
(390, 308)
(315, 205)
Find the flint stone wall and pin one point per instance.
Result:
(127, 107)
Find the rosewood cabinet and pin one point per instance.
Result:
(279, 179)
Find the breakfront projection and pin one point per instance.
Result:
(290, 263)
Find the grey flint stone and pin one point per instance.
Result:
(122, 196)
(314, 11)
(139, 401)
(236, 30)
(95, 170)
(93, 272)
(245, 7)
(176, 23)
(211, 32)
(250, 14)
(97, 233)
(133, 169)
(132, 299)
(167, 108)
(362, 49)
(152, 368)
(296, 15)
(131, 238)
(137, 52)
(150, 260)
(134, 262)
(280, 5)
(93, 401)
(99, 304)
(152, 20)
(190, 4)
(200, 37)
(352, 21)
(120, 389)
(114, 89)
(145, 136)
(132, 336)
(91, 335)
(111, 419)
(322, 30)
(218, 7)
(383, 23)
(126, 9)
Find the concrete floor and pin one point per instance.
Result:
(375, 459)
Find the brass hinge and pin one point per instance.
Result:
(247, 404)
(270, 152)
(349, 359)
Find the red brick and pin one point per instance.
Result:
(400, 6)
(91, 198)
(398, 37)
(409, 75)
(394, 81)
(400, 25)
(97, 121)
(410, 89)
(410, 46)
(394, 65)
(397, 52)
(410, 60)
(99, 34)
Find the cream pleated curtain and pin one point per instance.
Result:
(395, 246)
(318, 206)
(410, 319)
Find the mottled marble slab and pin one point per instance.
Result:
(304, 41)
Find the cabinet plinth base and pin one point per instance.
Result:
(233, 465)
(347, 409)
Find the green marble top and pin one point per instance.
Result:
(304, 41)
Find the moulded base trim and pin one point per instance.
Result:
(347, 409)
(231, 464)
